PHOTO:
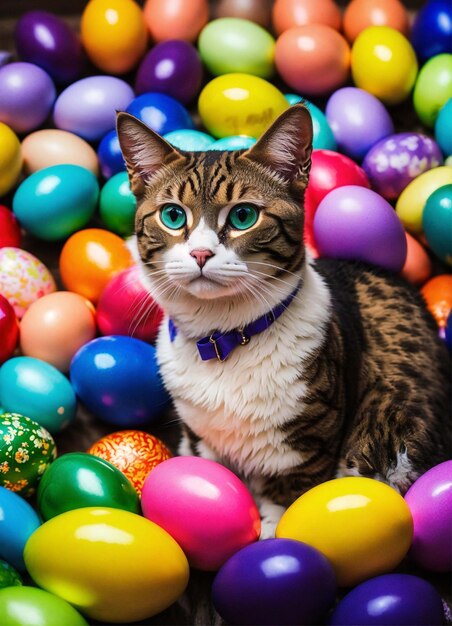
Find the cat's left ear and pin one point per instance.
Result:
(287, 145)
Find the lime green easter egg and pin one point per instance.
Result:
(28, 606)
(433, 88)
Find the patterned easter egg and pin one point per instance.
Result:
(26, 449)
(23, 278)
(8, 576)
(134, 452)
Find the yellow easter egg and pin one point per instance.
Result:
(112, 565)
(113, 34)
(240, 104)
(10, 159)
(362, 526)
(411, 202)
(45, 148)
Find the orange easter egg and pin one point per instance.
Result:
(176, 19)
(418, 267)
(290, 13)
(361, 14)
(437, 293)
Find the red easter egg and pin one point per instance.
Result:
(9, 330)
(9, 229)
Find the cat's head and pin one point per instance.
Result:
(220, 226)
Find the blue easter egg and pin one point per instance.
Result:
(17, 522)
(118, 379)
(56, 201)
(160, 112)
(234, 142)
(110, 156)
(448, 332)
(39, 391)
(189, 140)
(323, 137)
(431, 33)
(443, 128)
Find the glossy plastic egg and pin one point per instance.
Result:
(290, 13)
(45, 148)
(8, 576)
(437, 293)
(20, 605)
(190, 140)
(117, 205)
(175, 19)
(46, 40)
(10, 159)
(443, 128)
(384, 64)
(88, 107)
(28, 94)
(362, 526)
(418, 266)
(113, 34)
(127, 308)
(90, 258)
(431, 32)
(39, 391)
(313, 59)
(23, 278)
(361, 14)
(240, 104)
(448, 332)
(56, 201)
(203, 506)
(437, 223)
(9, 329)
(26, 450)
(277, 581)
(160, 112)
(172, 67)
(411, 202)
(233, 142)
(430, 503)
(323, 138)
(433, 88)
(18, 521)
(117, 378)
(110, 156)
(56, 326)
(9, 228)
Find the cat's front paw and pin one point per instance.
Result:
(270, 516)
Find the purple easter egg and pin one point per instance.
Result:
(88, 107)
(356, 223)
(358, 120)
(392, 163)
(172, 67)
(44, 39)
(27, 94)
(430, 502)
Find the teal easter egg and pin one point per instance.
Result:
(117, 205)
(232, 44)
(235, 142)
(437, 222)
(443, 128)
(18, 521)
(8, 576)
(190, 140)
(323, 137)
(28, 606)
(37, 389)
(56, 201)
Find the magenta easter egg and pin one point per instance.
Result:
(430, 502)
(203, 506)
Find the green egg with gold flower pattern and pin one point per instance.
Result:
(26, 449)
(8, 576)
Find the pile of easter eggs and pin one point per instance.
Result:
(114, 530)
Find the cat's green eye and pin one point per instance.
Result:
(243, 216)
(173, 216)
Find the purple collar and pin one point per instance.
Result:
(220, 345)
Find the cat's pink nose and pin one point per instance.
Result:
(201, 255)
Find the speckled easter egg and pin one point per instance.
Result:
(26, 449)
(8, 576)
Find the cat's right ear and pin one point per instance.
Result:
(144, 151)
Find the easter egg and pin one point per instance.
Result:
(189, 140)
(443, 128)
(8, 576)
(117, 205)
(323, 138)
(362, 526)
(361, 14)
(46, 40)
(203, 506)
(384, 64)
(78, 480)
(239, 104)
(448, 332)
(56, 326)
(112, 565)
(160, 112)
(233, 142)
(175, 19)
(231, 44)
(437, 293)
(113, 34)
(9, 229)
(290, 13)
(26, 450)
(23, 278)
(37, 389)
(392, 163)
(418, 267)
(358, 121)
(117, 378)
(433, 88)
(88, 107)
(411, 202)
(56, 201)
(257, 11)
(28, 94)
(90, 258)
(127, 308)
(390, 599)
(27, 606)
(18, 521)
(45, 148)
(110, 156)
(437, 222)
(312, 59)
(134, 452)
(277, 581)
(431, 32)
(9, 329)
(10, 160)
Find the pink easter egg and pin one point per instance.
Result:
(203, 506)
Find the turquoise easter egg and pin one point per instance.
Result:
(117, 205)
(235, 142)
(443, 128)
(190, 140)
(56, 201)
(18, 521)
(37, 389)
(323, 138)
(437, 222)
(8, 576)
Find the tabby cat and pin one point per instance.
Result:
(289, 371)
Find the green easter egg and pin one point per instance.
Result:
(8, 576)
(117, 205)
(26, 450)
(437, 222)
(28, 606)
(433, 88)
